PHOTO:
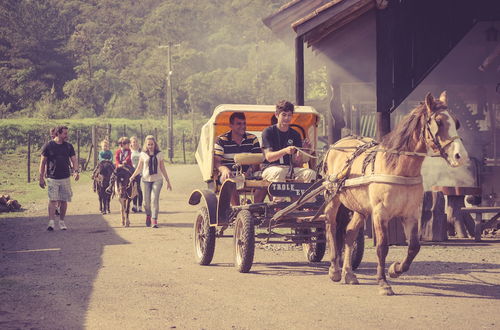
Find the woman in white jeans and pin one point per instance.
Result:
(151, 166)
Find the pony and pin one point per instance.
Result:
(394, 187)
(125, 190)
(101, 176)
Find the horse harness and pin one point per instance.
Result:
(132, 185)
(335, 183)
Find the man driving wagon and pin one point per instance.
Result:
(280, 144)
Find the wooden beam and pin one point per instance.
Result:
(385, 28)
(299, 70)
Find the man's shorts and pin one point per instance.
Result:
(59, 189)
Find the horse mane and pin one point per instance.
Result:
(402, 137)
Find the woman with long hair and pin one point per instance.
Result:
(151, 166)
(135, 156)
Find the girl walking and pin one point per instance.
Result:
(136, 154)
(152, 167)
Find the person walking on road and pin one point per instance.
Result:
(152, 167)
(57, 160)
(136, 154)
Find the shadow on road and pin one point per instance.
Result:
(46, 278)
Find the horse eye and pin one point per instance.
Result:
(457, 123)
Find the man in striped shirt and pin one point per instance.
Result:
(235, 141)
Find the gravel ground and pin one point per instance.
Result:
(98, 275)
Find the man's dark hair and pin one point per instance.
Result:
(59, 129)
(53, 132)
(239, 115)
(284, 106)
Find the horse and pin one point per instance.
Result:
(394, 188)
(125, 190)
(101, 177)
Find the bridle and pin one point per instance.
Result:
(131, 184)
(430, 130)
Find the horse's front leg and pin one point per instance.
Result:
(352, 230)
(122, 209)
(411, 231)
(334, 272)
(127, 211)
(108, 202)
(380, 224)
(100, 200)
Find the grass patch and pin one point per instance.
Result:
(14, 180)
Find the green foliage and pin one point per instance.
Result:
(108, 58)
(14, 132)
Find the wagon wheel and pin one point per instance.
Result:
(314, 251)
(204, 238)
(358, 248)
(244, 241)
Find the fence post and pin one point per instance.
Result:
(184, 147)
(108, 132)
(142, 136)
(78, 149)
(29, 157)
(124, 130)
(156, 134)
(94, 144)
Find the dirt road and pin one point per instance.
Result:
(98, 275)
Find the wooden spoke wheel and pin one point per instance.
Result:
(204, 238)
(244, 241)
(313, 250)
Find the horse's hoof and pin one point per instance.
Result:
(335, 276)
(385, 291)
(392, 270)
(350, 278)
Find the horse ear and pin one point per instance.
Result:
(444, 98)
(429, 102)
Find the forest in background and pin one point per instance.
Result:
(103, 58)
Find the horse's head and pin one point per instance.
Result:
(440, 131)
(123, 174)
(105, 168)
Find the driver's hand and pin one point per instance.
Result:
(306, 144)
(225, 174)
(290, 150)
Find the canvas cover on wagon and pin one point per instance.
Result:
(258, 117)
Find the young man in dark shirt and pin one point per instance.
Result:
(280, 143)
(58, 156)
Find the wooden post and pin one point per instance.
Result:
(108, 132)
(156, 134)
(78, 148)
(184, 147)
(385, 27)
(142, 135)
(432, 222)
(94, 144)
(29, 157)
(124, 129)
(299, 70)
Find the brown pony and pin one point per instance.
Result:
(101, 176)
(125, 190)
(393, 187)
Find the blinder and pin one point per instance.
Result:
(432, 129)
